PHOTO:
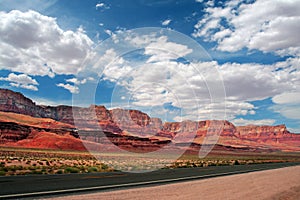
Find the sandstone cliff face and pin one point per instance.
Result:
(136, 122)
(252, 131)
(276, 134)
(133, 127)
(16, 127)
(201, 128)
(12, 132)
(15, 102)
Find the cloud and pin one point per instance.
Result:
(159, 83)
(21, 78)
(113, 34)
(162, 50)
(157, 78)
(287, 104)
(253, 81)
(22, 81)
(250, 82)
(237, 24)
(34, 44)
(189, 86)
(109, 56)
(166, 22)
(244, 122)
(28, 87)
(288, 111)
(116, 71)
(138, 40)
(77, 81)
(294, 130)
(287, 98)
(210, 3)
(102, 6)
(72, 88)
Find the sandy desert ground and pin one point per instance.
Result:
(278, 184)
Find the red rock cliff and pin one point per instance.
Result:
(139, 124)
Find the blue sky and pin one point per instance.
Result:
(188, 59)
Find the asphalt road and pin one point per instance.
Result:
(47, 185)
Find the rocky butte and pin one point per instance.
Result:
(23, 123)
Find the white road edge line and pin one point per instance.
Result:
(53, 192)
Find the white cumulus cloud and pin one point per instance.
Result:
(76, 81)
(34, 44)
(162, 50)
(287, 104)
(72, 88)
(266, 25)
(287, 98)
(190, 86)
(21, 80)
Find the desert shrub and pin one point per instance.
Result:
(19, 167)
(81, 167)
(31, 168)
(92, 169)
(12, 168)
(104, 167)
(2, 173)
(36, 172)
(59, 171)
(5, 169)
(236, 162)
(72, 170)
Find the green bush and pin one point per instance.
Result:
(36, 172)
(72, 170)
(92, 169)
(2, 173)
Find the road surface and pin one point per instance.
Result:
(47, 185)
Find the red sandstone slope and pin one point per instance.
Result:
(26, 131)
(49, 140)
(33, 121)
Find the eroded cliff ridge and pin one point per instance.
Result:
(127, 128)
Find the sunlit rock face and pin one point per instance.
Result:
(130, 128)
